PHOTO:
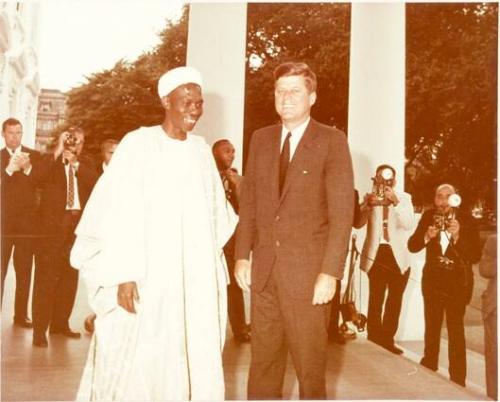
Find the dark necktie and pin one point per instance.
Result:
(385, 223)
(284, 160)
(71, 187)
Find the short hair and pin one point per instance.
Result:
(76, 129)
(295, 68)
(385, 166)
(220, 142)
(107, 142)
(11, 121)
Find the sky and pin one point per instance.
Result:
(80, 37)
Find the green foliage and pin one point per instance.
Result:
(315, 33)
(451, 84)
(116, 101)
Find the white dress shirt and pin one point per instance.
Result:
(297, 134)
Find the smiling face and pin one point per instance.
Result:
(293, 100)
(183, 107)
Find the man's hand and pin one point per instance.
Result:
(390, 195)
(324, 289)
(24, 161)
(13, 165)
(432, 232)
(70, 156)
(369, 200)
(243, 274)
(60, 145)
(127, 293)
(454, 229)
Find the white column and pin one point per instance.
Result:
(216, 47)
(377, 124)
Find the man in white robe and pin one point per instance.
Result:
(149, 246)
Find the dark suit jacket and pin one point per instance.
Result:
(19, 195)
(53, 204)
(458, 281)
(306, 230)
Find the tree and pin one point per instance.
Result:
(116, 101)
(317, 34)
(451, 82)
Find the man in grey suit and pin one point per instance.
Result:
(296, 213)
(385, 257)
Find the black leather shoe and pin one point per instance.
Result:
(65, 332)
(23, 322)
(245, 337)
(337, 338)
(394, 349)
(424, 363)
(40, 340)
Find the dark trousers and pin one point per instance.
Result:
(235, 303)
(333, 328)
(435, 307)
(385, 277)
(56, 281)
(280, 324)
(23, 263)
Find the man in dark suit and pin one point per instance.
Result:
(107, 150)
(21, 169)
(451, 240)
(296, 213)
(224, 152)
(65, 193)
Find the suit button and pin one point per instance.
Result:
(277, 218)
(277, 243)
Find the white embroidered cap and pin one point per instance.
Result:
(177, 77)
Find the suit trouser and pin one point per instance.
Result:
(280, 324)
(235, 303)
(490, 354)
(436, 305)
(56, 281)
(385, 276)
(23, 263)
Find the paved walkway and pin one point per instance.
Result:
(359, 370)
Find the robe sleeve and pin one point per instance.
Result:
(110, 243)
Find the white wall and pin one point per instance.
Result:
(216, 47)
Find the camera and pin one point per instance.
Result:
(442, 221)
(380, 182)
(71, 139)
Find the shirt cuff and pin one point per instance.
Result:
(28, 171)
(10, 173)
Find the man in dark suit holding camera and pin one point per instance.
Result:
(452, 244)
(70, 181)
(296, 213)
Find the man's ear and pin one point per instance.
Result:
(165, 102)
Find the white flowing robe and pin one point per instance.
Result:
(158, 216)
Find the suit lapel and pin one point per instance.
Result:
(305, 151)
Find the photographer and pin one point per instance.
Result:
(452, 245)
(385, 257)
(64, 195)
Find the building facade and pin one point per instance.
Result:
(51, 112)
(19, 79)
